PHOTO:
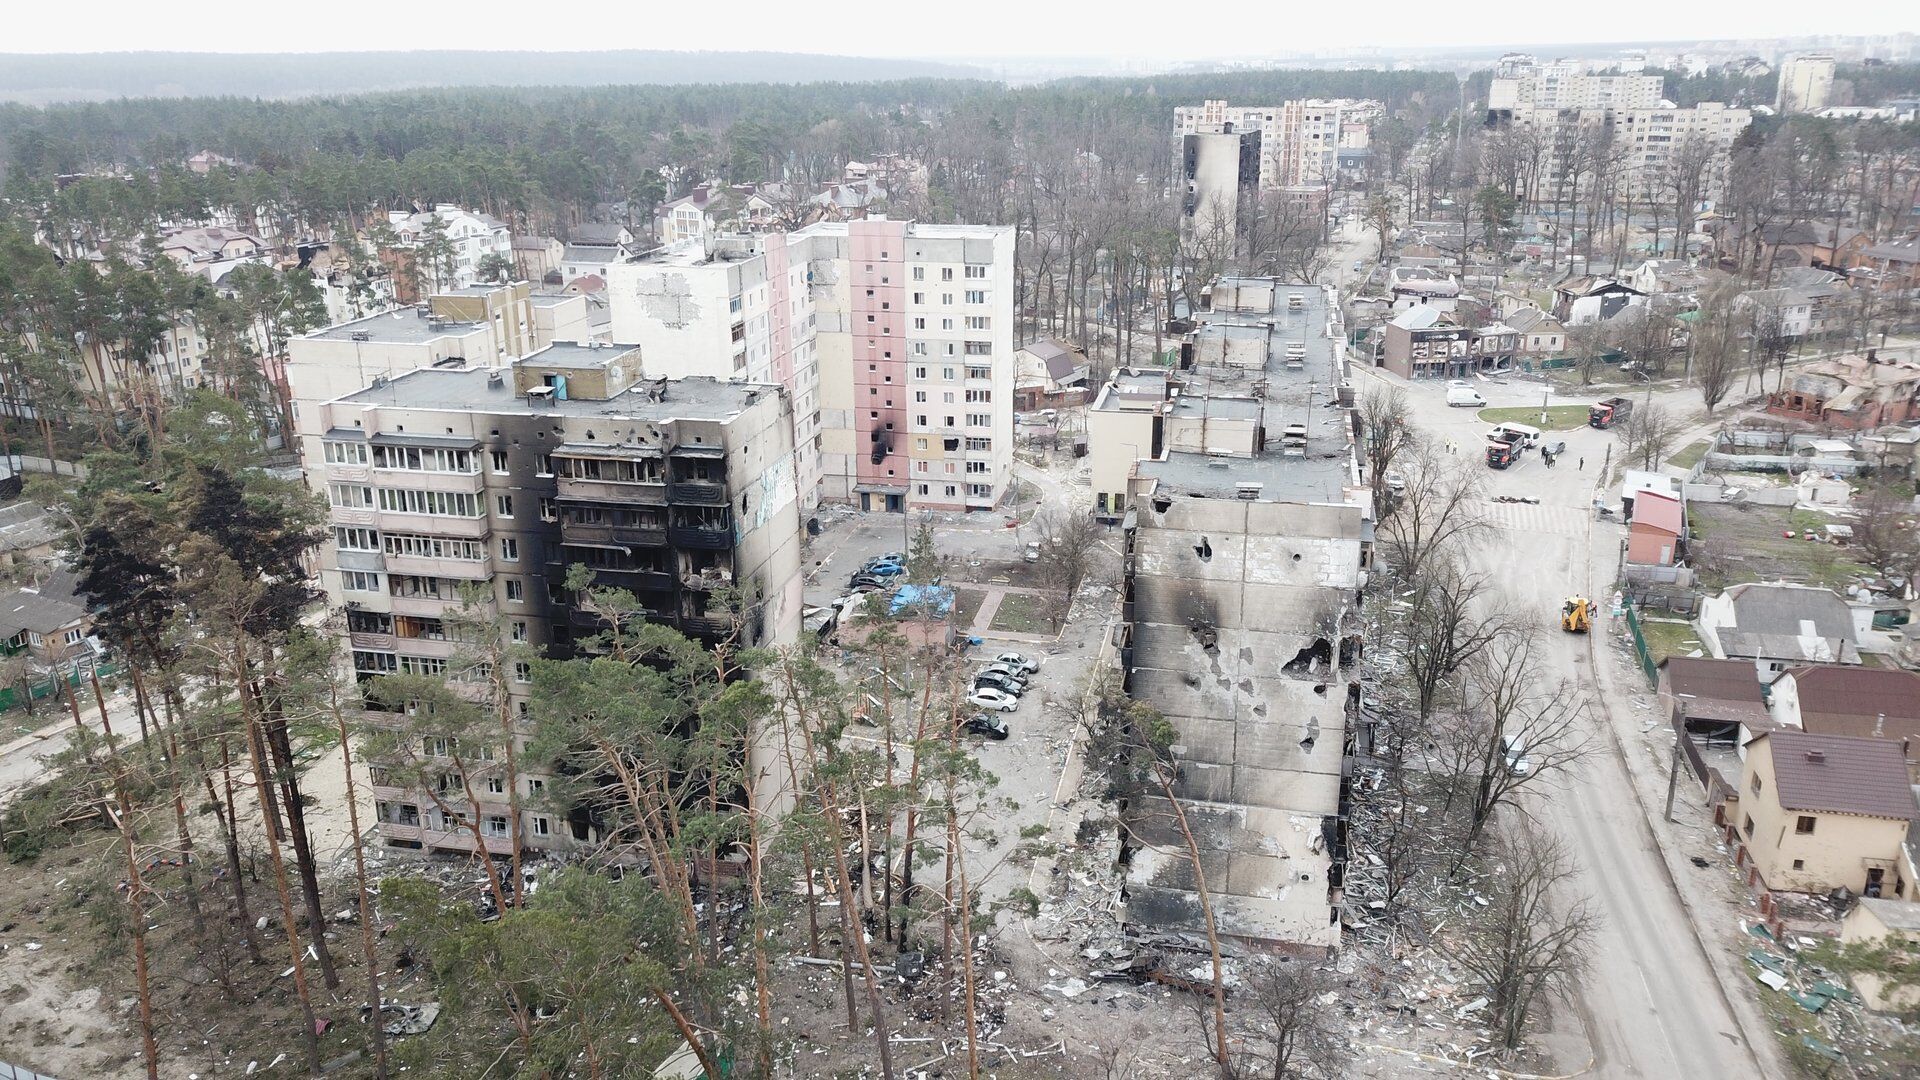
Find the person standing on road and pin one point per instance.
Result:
(1583, 466)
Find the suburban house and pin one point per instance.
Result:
(1540, 333)
(471, 236)
(1587, 299)
(48, 621)
(1799, 310)
(1810, 243)
(1817, 813)
(1717, 699)
(1877, 919)
(1895, 265)
(534, 257)
(1655, 535)
(1865, 702)
(1049, 374)
(27, 531)
(1778, 625)
(1664, 277)
(1852, 392)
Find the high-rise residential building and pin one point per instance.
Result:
(1247, 536)
(1566, 106)
(894, 339)
(1524, 85)
(1806, 83)
(471, 481)
(1228, 153)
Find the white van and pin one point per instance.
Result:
(1514, 751)
(1464, 397)
(1529, 437)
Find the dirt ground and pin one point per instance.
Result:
(1735, 542)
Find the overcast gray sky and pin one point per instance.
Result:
(1133, 28)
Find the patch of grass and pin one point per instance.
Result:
(1559, 417)
(966, 604)
(1690, 454)
(1733, 543)
(1022, 613)
(1666, 639)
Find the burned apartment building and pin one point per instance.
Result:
(1247, 537)
(458, 479)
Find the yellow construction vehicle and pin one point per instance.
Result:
(1576, 615)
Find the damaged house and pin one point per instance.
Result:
(1246, 535)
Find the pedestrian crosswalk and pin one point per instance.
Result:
(1553, 520)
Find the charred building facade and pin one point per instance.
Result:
(455, 481)
(1248, 534)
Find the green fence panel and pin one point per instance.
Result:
(1647, 666)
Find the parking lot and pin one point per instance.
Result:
(999, 600)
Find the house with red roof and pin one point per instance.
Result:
(1817, 813)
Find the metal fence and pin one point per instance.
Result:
(1647, 666)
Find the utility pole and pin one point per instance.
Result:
(1673, 775)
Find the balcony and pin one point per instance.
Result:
(347, 559)
(706, 581)
(425, 566)
(465, 528)
(349, 474)
(437, 648)
(623, 492)
(433, 606)
(700, 492)
(364, 639)
(613, 535)
(705, 625)
(636, 579)
(700, 538)
(466, 483)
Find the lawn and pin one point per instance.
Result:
(1559, 417)
(1690, 454)
(1666, 639)
(1022, 613)
(966, 604)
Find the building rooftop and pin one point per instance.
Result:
(473, 390)
(404, 326)
(1709, 689)
(584, 356)
(1128, 390)
(1858, 701)
(1840, 774)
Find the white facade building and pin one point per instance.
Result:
(1806, 83)
(473, 235)
(894, 339)
(1564, 84)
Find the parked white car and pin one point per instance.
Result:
(987, 697)
(1018, 662)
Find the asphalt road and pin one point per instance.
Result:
(1649, 1001)
(23, 760)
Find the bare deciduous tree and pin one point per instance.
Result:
(1285, 1030)
(1440, 508)
(1885, 531)
(1513, 728)
(1386, 423)
(1719, 345)
(1648, 434)
(1069, 548)
(1531, 939)
(1444, 619)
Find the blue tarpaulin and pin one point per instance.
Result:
(935, 600)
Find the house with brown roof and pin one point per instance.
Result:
(1817, 813)
(1894, 265)
(1863, 702)
(1719, 699)
(1049, 374)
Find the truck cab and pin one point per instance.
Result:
(1609, 412)
(1502, 452)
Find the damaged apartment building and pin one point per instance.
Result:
(1247, 533)
(492, 476)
